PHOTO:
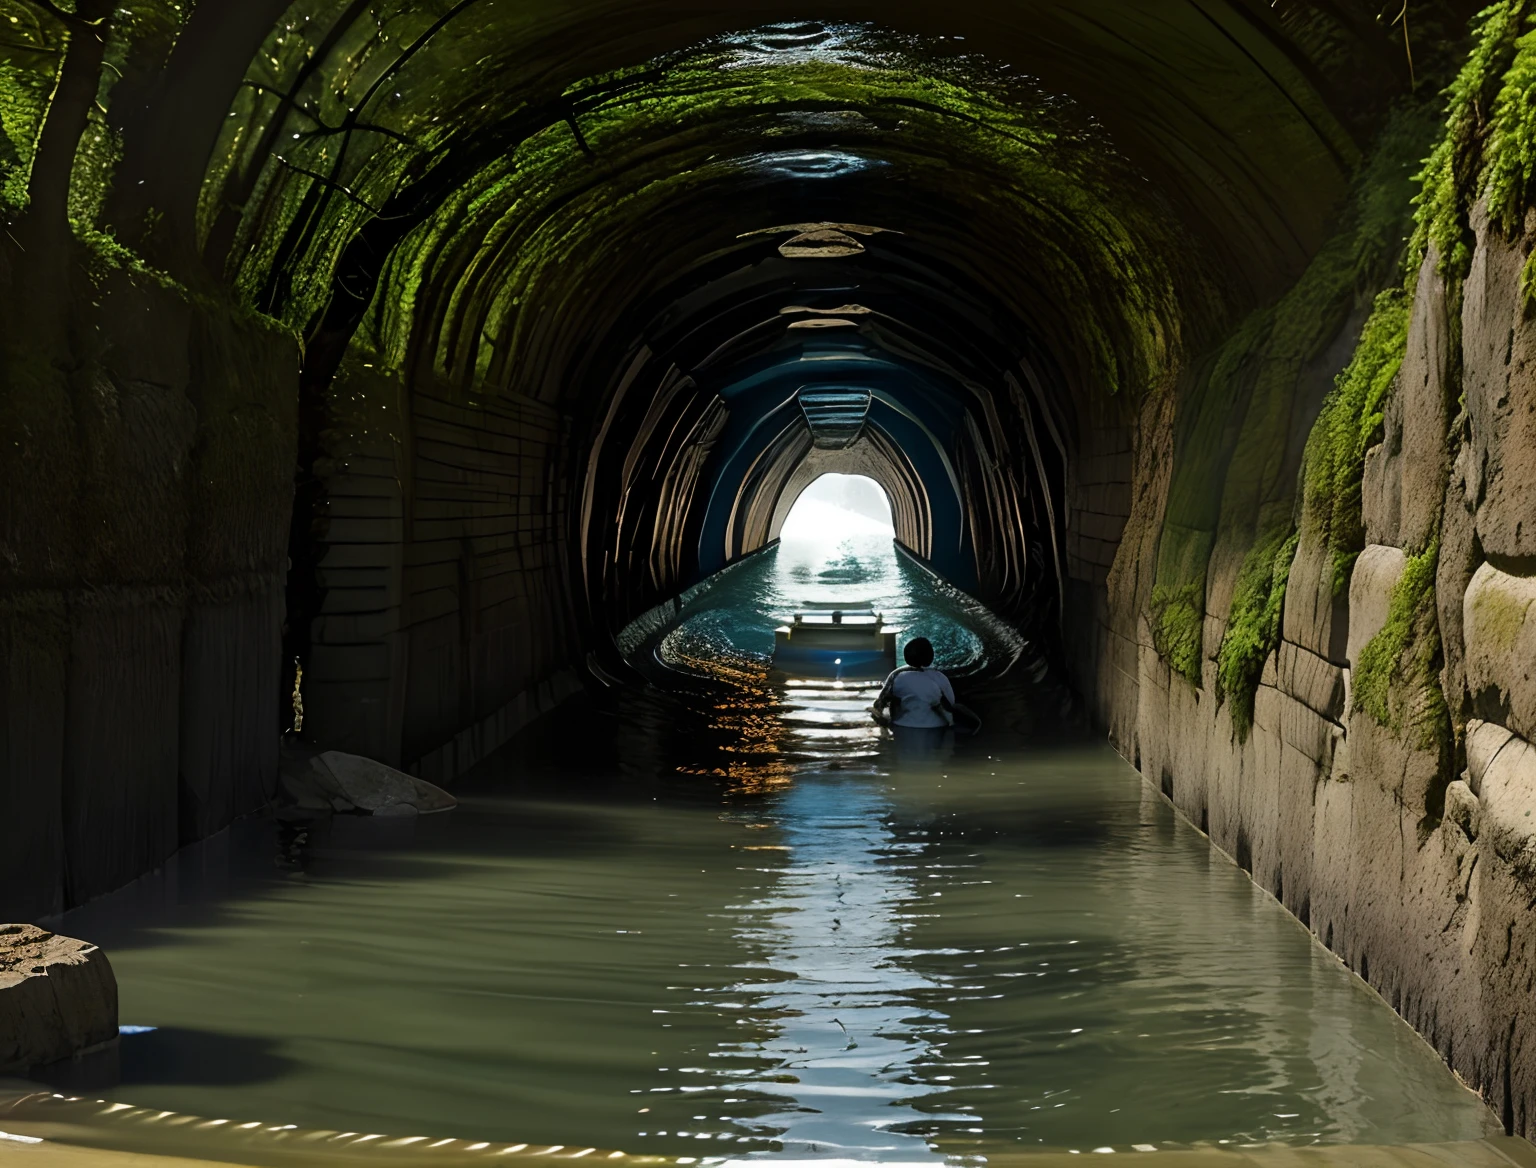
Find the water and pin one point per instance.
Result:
(754, 926)
(732, 624)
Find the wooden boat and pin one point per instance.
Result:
(840, 641)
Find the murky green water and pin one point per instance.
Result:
(761, 928)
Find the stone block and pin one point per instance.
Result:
(336, 781)
(34, 656)
(1332, 847)
(1312, 680)
(1484, 741)
(1458, 562)
(1505, 786)
(146, 328)
(1306, 731)
(1376, 573)
(58, 998)
(1381, 488)
(1316, 617)
(1301, 778)
(1499, 627)
(1500, 932)
(231, 653)
(1421, 400)
(1461, 808)
(1270, 674)
(121, 742)
(1378, 850)
(1499, 382)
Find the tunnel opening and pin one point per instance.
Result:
(835, 558)
(838, 506)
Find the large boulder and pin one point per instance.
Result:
(336, 781)
(58, 998)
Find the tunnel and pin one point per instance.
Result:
(377, 377)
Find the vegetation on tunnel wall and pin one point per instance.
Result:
(1485, 148)
(135, 38)
(1253, 628)
(546, 222)
(515, 222)
(1455, 173)
(33, 44)
(1511, 148)
(1349, 424)
(1235, 417)
(526, 270)
(1397, 679)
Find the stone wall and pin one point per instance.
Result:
(147, 495)
(1098, 498)
(1386, 791)
(446, 623)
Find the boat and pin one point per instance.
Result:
(844, 641)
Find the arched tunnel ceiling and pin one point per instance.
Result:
(1044, 205)
(489, 125)
(1247, 115)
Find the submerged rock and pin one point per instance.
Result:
(58, 998)
(336, 781)
(372, 786)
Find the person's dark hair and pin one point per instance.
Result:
(919, 653)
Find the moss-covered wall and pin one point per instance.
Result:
(1312, 637)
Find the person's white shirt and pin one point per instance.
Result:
(919, 696)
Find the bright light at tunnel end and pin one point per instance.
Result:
(837, 507)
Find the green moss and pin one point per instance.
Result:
(1178, 620)
(30, 54)
(1178, 598)
(1039, 170)
(1234, 476)
(104, 255)
(1528, 284)
(1500, 618)
(1487, 146)
(1347, 426)
(1511, 140)
(1396, 680)
(1381, 215)
(1452, 175)
(1203, 446)
(1253, 629)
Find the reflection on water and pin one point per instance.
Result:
(751, 926)
(901, 960)
(832, 927)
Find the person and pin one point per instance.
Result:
(919, 696)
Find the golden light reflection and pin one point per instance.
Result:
(764, 728)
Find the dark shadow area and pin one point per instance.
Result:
(174, 1055)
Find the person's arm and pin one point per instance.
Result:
(887, 697)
